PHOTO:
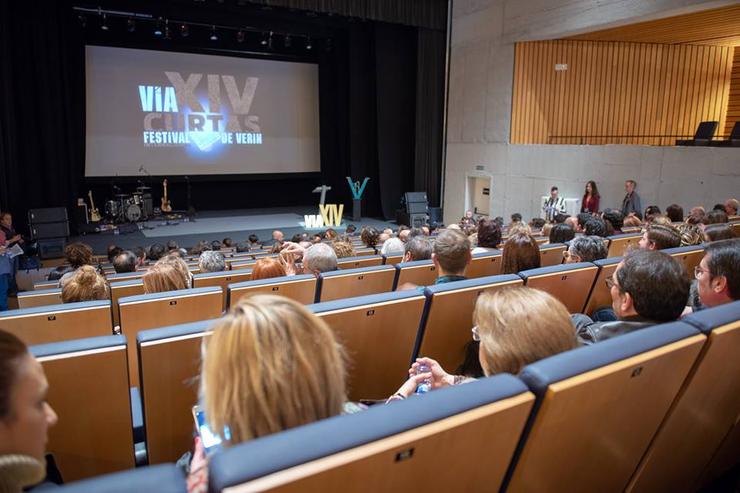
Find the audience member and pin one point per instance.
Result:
(277, 236)
(546, 229)
(661, 219)
(521, 252)
(615, 218)
(719, 207)
(343, 249)
(696, 215)
(489, 236)
(211, 261)
(561, 233)
(536, 223)
(451, 256)
(369, 236)
(731, 207)
(583, 218)
(76, 255)
(718, 273)
(428, 231)
(140, 255)
(85, 284)
(631, 202)
(660, 237)
(595, 226)
(560, 218)
(166, 275)
(216, 245)
(585, 249)
(125, 262)
(519, 227)
(242, 247)
(718, 231)
(113, 251)
(516, 218)
(650, 211)
(227, 243)
(172, 245)
(417, 248)
(632, 221)
(351, 228)
(690, 234)
(715, 216)
(674, 213)
(254, 242)
(319, 258)
(382, 238)
(647, 288)
(571, 221)
(156, 252)
(392, 246)
(404, 234)
(266, 268)
(590, 202)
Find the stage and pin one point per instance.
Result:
(236, 224)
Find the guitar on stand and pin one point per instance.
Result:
(166, 205)
(94, 212)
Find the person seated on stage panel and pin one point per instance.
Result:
(25, 416)
(615, 218)
(319, 258)
(521, 252)
(343, 249)
(554, 205)
(417, 248)
(631, 204)
(270, 365)
(561, 233)
(86, 284)
(691, 234)
(157, 251)
(731, 207)
(674, 213)
(591, 198)
(369, 236)
(267, 268)
(647, 288)
(719, 231)
(696, 215)
(715, 216)
(514, 327)
(595, 226)
(659, 237)
(585, 249)
(168, 274)
(489, 236)
(212, 261)
(76, 255)
(125, 262)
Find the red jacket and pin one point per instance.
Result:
(591, 205)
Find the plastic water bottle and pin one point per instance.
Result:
(426, 385)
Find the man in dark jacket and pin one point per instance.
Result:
(647, 288)
(631, 202)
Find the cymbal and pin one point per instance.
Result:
(121, 195)
(143, 188)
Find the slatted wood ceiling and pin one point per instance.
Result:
(617, 89)
(733, 104)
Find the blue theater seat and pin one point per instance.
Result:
(570, 283)
(455, 439)
(600, 296)
(359, 261)
(484, 264)
(552, 254)
(689, 256)
(163, 478)
(39, 297)
(301, 288)
(347, 283)
(418, 272)
(618, 244)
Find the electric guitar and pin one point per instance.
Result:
(166, 205)
(94, 212)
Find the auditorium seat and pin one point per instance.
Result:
(378, 333)
(163, 478)
(392, 259)
(361, 252)
(600, 296)
(707, 407)
(169, 359)
(39, 285)
(55, 323)
(301, 288)
(552, 254)
(88, 389)
(125, 276)
(484, 264)
(243, 265)
(735, 229)
(149, 311)
(618, 244)
(569, 283)
(39, 297)
(455, 439)
(703, 136)
(122, 289)
(221, 279)
(726, 457)
(598, 407)
(419, 272)
(349, 283)
(448, 316)
(359, 261)
(690, 256)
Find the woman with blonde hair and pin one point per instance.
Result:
(269, 365)
(169, 273)
(515, 327)
(85, 284)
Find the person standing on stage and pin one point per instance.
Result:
(554, 205)
(590, 202)
(631, 203)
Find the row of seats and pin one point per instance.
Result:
(653, 410)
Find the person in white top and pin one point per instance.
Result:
(554, 205)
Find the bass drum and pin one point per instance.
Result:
(133, 213)
(112, 209)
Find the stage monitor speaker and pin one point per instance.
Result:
(435, 215)
(40, 231)
(417, 220)
(416, 207)
(416, 197)
(51, 248)
(47, 215)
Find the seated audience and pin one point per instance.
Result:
(583, 218)
(515, 327)
(650, 212)
(546, 229)
(674, 213)
(489, 236)
(647, 288)
(404, 232)
(319, 258)
(172, 245)
(451, 255)
(417, 248)
(696, 215)
(242, 247)
(85, 284)
(392, 246)
(382, 238)
(227, 243)
(632, 221)
(718, 231)
(731, 207)
(536, 223)
(351, 228)
(113, 251)
(266, 268)
(425, 229)
(125, 262)
(690, 234)
(254, 242)
(343, 249)
(595, 226)
(715, 216)
(661, 219)
(719, 207)
(660, 237)
(369, 236)
(166, 275)
(156, 252)
(571, 221)
(140, 255)
(585, 249)
(615, 218)
(25, 416)
(718, 273)
(515, 218)
(277, 236)
(270, 365)
(561, 233)
(519, 227)
(76, 255)
(521, 252)
(560, 218)
(211, 261)
(216, 245)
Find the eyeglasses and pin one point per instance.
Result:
(698, 271)
(476, 335)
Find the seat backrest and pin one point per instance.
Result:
(618, 244)
(600, 296)
(163, 478)
(551, 254)
(570, 283)
(241, 265)
(735, 133)
(359, 261)
(705, 130)
(123, 289)
(599, 406)
(706, 408)
(221, 279)
(88, 389)
(150, 311)
(736, 228)
(169, 360)
(689, 256)
(484, 264)
(392, 259)
(125, 276)
(55, 323)
(378, 333)
(419, 272)
(448, 317)
(349, 283)
(362, 251)
(39, 297)
(301, 288)
(45, 285)
(469, 431)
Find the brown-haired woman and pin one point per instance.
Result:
(521, 252)
(266, 268)
(168, 274)
(85, 284)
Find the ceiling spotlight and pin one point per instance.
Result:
(263, 41)
(184, 30)
(287, 41)
(240, 36)
(214, 36)
(158, 27)
(309, 44)
(167, 33)
(104, 24)
(131, 25)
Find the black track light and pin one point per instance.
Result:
(104, 23)
(214, 36)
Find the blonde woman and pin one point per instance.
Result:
(515, 327)
(269, 365)
(85, 284)
(170, 273)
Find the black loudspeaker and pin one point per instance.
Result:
(417, 220)
(416, 207)
(51, 248)
(42, 231)
(416, 197)
(435, 215)
(47, 215)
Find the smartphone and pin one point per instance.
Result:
(211, 441)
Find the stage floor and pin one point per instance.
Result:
(236, 224)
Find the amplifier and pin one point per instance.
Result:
(416, 207)
(51, 248)
(47, 215)
(49, 230)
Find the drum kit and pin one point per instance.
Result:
(131, 207)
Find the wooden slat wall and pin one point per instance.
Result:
(617, 89)
(733, 104)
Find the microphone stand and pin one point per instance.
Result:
(191, 209)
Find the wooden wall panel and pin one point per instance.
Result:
(733, 103)
(618, 92)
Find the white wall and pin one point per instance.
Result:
(479, 115)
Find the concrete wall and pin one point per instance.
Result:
(479, 115)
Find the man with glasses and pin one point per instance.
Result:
(647, 288)
(718, 274)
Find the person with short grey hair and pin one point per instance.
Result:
(585, 249)
(211, 261)
(319, 258)
(392, 246)
(125, 262)
(417, 248)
